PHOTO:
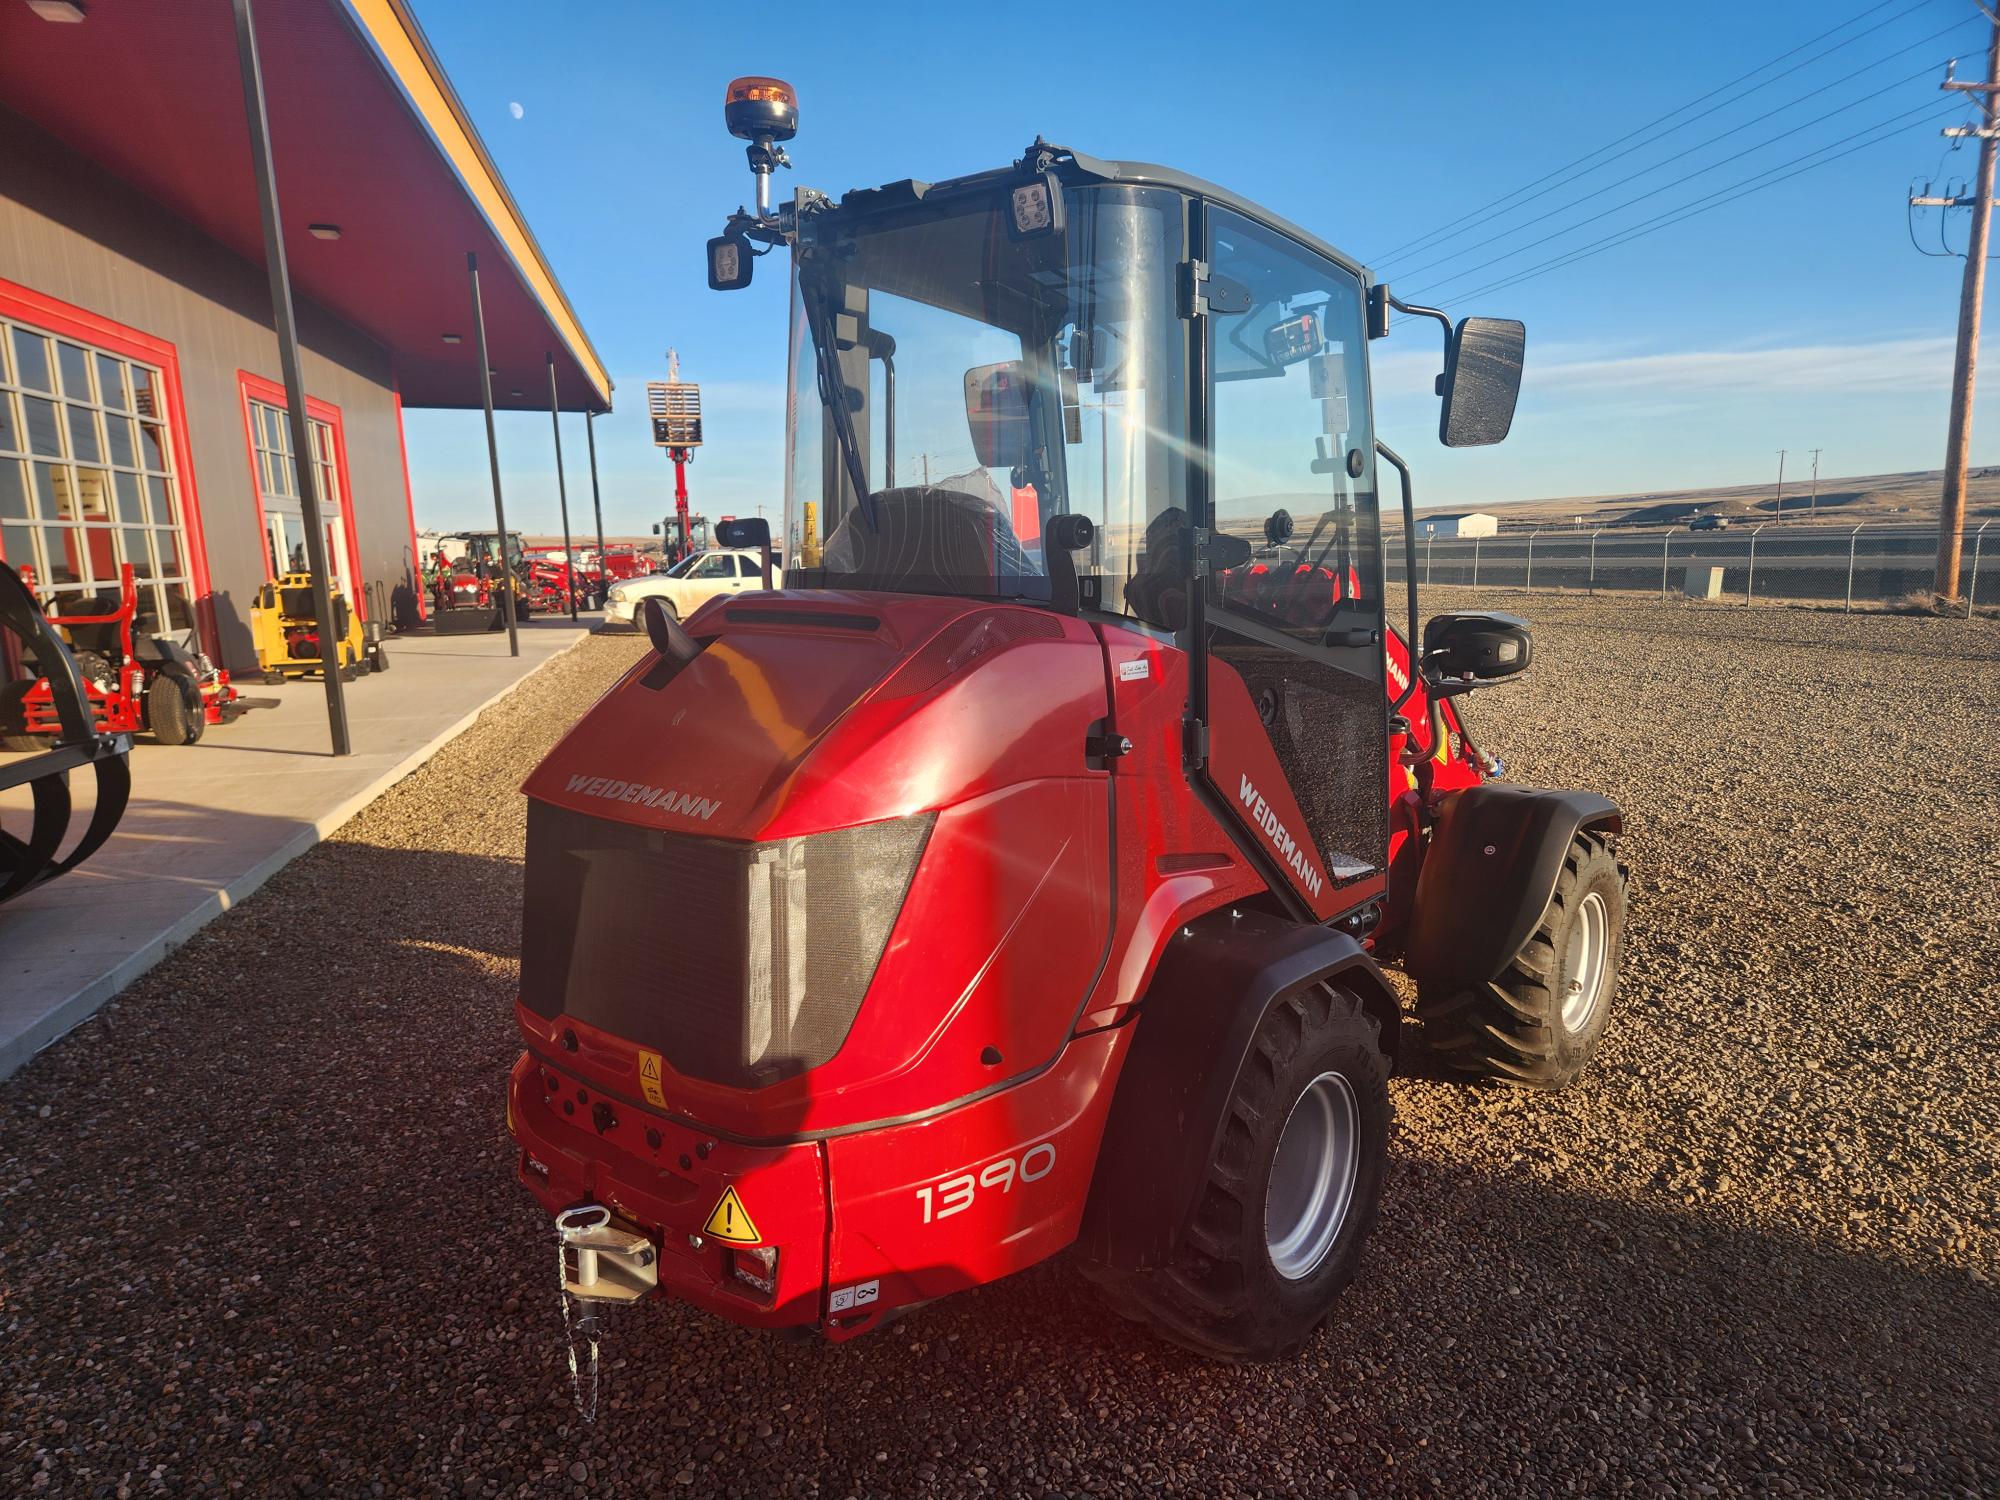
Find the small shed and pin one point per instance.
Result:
(1460, 523)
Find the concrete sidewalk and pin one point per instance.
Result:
(211, 822)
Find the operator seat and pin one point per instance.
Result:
(928, 534)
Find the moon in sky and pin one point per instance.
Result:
(515, 110)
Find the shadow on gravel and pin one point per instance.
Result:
(268, 1234)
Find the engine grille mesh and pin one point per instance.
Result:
(741, 964)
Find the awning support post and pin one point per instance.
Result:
(285, 324)
(493, 458)
(597, 507)
(562, 487)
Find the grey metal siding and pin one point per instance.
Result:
(71, 231)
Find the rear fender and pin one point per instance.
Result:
(1489, 870)
(1195, 1030)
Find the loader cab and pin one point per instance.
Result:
(1115, 391)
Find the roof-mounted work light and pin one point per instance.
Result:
(764, 112)
(1035, 207)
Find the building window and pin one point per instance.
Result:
(278, 494)
(87, 480)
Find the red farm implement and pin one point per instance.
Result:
(133, 681)
(29, 644)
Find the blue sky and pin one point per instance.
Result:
(1797, 316)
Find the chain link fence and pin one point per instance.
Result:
(1863, 566)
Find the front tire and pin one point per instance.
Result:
(174, 710)
(1541, 1021)
(1290, 1195)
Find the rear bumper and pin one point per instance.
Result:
(576, 1147)
(864, 1223)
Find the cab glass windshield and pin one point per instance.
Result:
(971, 385)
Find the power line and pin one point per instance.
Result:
(1883, 131)
(1478, 215)
(1729, 193)
(1688, 151)
(1678, 181)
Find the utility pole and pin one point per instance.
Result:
(1779, 513)
(1971, 297)
(1814, 510)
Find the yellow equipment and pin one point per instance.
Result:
(289, 641)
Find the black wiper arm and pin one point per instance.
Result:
(833, 393)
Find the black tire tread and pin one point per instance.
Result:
(1194, 1299)
(1505, 1029)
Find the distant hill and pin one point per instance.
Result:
(1895, 498)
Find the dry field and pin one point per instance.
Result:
(258, 1233)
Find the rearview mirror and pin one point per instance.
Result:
(1471, 649)
(996, 410)
(1482, 381)
(743, 531)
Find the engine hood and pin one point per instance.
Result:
(812, 710)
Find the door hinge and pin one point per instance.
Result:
(1194, 288)
(1194, 742)
(1198, 545)
(1203, 292)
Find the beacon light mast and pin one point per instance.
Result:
(675, 407)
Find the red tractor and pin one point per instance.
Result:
(133, 681)
(1020, 879)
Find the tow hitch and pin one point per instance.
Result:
(597, 1262)
(601, 1262)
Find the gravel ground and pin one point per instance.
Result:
(258, 1232)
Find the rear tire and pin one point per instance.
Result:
(1540, 1022)
(173, 710)
(1290, 1197)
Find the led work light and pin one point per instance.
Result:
(1035, 208)
(729, 263)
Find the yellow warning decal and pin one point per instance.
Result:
(731, 1221)
(649, 1077)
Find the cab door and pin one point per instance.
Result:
(1292, 594)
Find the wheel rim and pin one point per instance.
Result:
(1590, 947)
(1312, 1177)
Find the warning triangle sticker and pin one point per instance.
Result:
(649, 1078)
(731, 1221)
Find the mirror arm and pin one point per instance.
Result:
(1390, 456)
(1414, 311)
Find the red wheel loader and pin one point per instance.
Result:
(1019, 876)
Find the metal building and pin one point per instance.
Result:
(141, 399)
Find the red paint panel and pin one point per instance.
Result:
(940, 1205)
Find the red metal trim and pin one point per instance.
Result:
(251, 386)
(410, 500)
(67, 320)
